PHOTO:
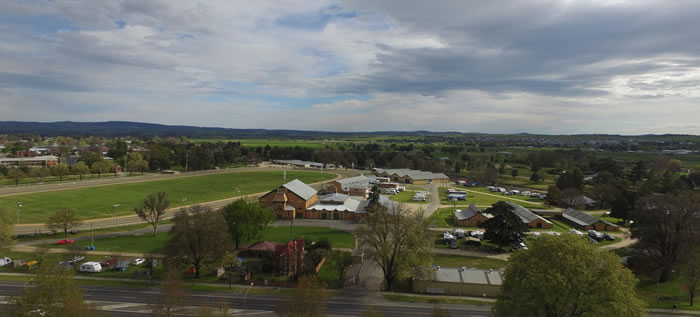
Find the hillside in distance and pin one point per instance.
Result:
(140, 129)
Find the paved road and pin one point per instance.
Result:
(134, 302)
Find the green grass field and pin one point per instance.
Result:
(481, 198)
(406, 197)
(98, 202)
(55, 179)
(147, 243)
(338, 238)
(442, 218)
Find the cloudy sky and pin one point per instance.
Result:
(538, 66)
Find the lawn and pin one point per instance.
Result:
(406, 197)
(483, 199)
(436, 300)
(98, 202)
(445, 260)
(338, 238)
(315, 144)
(442, 218)
(55, 179)
(664, 295)
(146, 243)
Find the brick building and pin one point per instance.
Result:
(532, 220)
(582, 220)
(470, 217)
(290, 200)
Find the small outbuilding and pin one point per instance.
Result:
(457, 281)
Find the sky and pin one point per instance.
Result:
(535, 66)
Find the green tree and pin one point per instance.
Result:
(567, 276)
(81, 169)
(100, 167)
(667, 227)
(172, 299)
(691, 273)
(60, 170)
(308, 300)
(16, 174)
(64, 220)
(137, 163)
(505, 228)
(231, 265)
(535, 177)
(395, 239)
(199, 236)
(6, 228)
(246, 219)
(340, 260)
(571, 179)
(153, 209)
(40, 173)
(514, 173)
(56, 293)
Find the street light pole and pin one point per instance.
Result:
(19, 209)
(116, 207)
(245, 297)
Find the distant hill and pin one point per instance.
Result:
(139, 129)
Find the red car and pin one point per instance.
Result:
(109, 262)
(64, 241)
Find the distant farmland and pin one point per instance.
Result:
(98, 202)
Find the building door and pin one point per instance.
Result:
(300, 214)
(279, 216)
(324, 216)
(336, 216)
(539, 225)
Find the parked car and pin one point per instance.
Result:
(608, 237)
(138, 261)
(66, 241)
(595, 235)
(109, 261)
(90, 267)
(5, 261)
(576, 232)
(77, 259)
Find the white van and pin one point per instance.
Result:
(91, 267)
(390, 191)
(5, 261)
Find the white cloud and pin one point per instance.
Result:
(535, 66)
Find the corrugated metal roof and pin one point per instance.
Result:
(302, 190)
(581, 218)
(467, 213)
(525, 215)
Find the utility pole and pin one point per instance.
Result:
(19, 209)
(116, 207)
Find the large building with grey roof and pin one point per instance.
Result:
(461, 281)
(532, 220)
(582, 220)
(297, 200)
(409, 176)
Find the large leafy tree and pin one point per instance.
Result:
(567, 276)
(153, 209)
(60, 170)
(100, 167)
(64, 220)
(667, 227)
(16, 174)
(395, 238)
(81, 169)
(55, 294)
(571, 179)
(505, 228)
(198, 235)
(246, 219)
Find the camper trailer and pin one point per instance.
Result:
(91, 267)
(5, 261)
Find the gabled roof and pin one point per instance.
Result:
(467, 213)
(525, 215)
(265, 246)
(300, 189)
(581, 218)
